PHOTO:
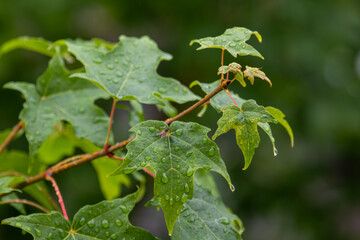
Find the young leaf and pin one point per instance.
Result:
(244, 121)
(174, 153)
(221, 99)
(128, 71)
(251, 72)
(5, 182)
(39, 45)
(105, 220)
(206, 217)
(232, 40)
(234, 68)
(279, 116)
(57, 97)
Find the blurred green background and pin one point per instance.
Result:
(312, 56)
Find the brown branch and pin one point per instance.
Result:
(218, 89)
(13, 133)
(24, 201)
(85, 158)
(70, 162)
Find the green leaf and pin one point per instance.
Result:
(39, 45)
(128, 71)
(110, 185)
(18, 206)
(105, 220)
(5, 182)
(57, 145)
(57, 97)
(206, 217)
(17, 161)
(232, 40)
(174, 153)
(279, 116)
(267, 129)
(252, 72)
(234, 68)
(244, 121)
(221, 99)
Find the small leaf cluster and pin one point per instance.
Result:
(59, 116)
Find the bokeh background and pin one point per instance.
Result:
(312, 56)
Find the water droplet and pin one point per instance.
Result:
(116, 61)
(27, 229)
(18, 225)
(114, 80)
(38, 232)
(110, 66)
(124, 209)
(148, 158)
(143, 164)
(163, 159)
(138, 132)
(82, 221)
(223, 220)
(178, 132)
(164, 178)
(97, 60)
(204, 140)
(207, 167)
(224, 40)
(97, 230)
(275, 152)
(162, 90)
(232, 44)
(81, 110)
(243, 46)
(176, 89)
(50, 236)
(167, 197)
(107, 233)
(91, 223)
(151, 129)
(177, 198)
(118, 222)
(191, 219)
(188, 154)
(131, 154)
(176, 148)
(187, 189)
(171, 201)
(62, 233)
(105, 223)
(225, 230)
(189, 171)
(178, 166)
(232, 188)
(113, 236)
(102, 73)
(211, 151)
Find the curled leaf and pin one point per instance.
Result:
(251, 72)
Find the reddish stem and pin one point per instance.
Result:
(106, 145)
(58, 193)
(13, 133)
(222, 62)
(24, 201)
(148, 172)
(227, 91)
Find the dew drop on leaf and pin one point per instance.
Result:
(107, 234)
(211, 151)
(232, 188)
(177, 198)
(171, 201)
(167, 197)
(177, 149)
(138, 132)
(97, 230)
(97, 60)
(204, 140)
(187, 189)
(105, 223)
(38, 232)
(113, 236)
(188, 154)
(143, 164)
(148, 158)
(62, 233)
(178, 132)
(18, 225)
(275, 152)
(82, 221)
(118, 222)
(189, 171)
(119, 74)
(176, 89)
(91, 223)
(124, 209)
(223, 220)
(162, 90)
(163, 160)
(232, 44)
(164, 178)
(110, 66)
(151, 129)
